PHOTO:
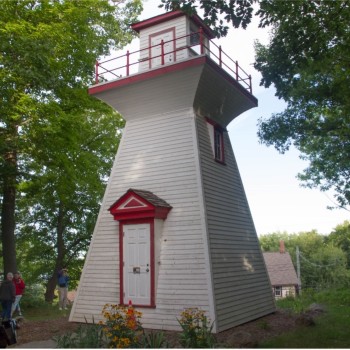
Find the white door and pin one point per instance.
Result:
(156, 50)
(137, 267)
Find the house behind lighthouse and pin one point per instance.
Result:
(174, 228)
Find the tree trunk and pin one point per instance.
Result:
(8, 212)
(50, 288)
(61, 251)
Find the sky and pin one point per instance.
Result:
(276, 199)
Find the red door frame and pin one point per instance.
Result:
(133, 208)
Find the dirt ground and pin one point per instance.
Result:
(248, 335)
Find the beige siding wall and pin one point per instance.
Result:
(157, 154)
(169, 153)
(241, 286)
(181, 29)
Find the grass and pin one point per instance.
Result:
(331, 329)
(43, 311)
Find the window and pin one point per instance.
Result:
(218, 145)
(216, 135)
(194, 38)
(278, 291)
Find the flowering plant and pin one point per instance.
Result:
(196, 329)
(122, 326)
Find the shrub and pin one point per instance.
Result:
(33, 296)
(196, 329)
(86, 337)
(122, 326)
(154, 340)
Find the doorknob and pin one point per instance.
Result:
(147, 270)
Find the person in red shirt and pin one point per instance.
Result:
(20, 286)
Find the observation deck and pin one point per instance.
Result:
(169, 52)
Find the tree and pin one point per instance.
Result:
(327, 268)
(47, 53)
(216, 12)
(340, 237)
(322, 264)
(271, 242)
(64, 195)
(307, 61)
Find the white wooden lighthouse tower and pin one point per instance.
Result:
(175, 229)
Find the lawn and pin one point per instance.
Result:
(331, 329)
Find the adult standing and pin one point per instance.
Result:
(7, 296)
(62, 279)
(20, 286)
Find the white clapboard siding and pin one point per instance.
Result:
(241, 289)
(152, 157)
(207, 254)
(167, 92)
(180, 27)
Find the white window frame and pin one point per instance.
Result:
(278, 291)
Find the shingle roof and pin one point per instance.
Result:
(280, 269)
(150, 197)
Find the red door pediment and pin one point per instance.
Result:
(139, 204)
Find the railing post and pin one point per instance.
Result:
(220, 60)
(250, 84)
(96, 72)
(237, 70)
(162, 51)
(127, 63)
(201, 40)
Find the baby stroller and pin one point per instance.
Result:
(8, 334)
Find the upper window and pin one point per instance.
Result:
(218, 144)
(216, 134)
(194, 38)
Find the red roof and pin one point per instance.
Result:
(139, 204)
(171, 15)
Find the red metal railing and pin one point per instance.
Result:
(129, 63)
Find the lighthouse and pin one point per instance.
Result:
(175, 230)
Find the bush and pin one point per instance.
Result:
(122, 327)
(86, 337)
(196, 329)
(33, 296)
(154, 340)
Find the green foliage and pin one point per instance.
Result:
(331, 329)
(85, 337)
(340, 297)
(122, 326)
(57, 142)
(310, 71)
(271, 242)
(41, 310)
(33, 297)
(322, 264)
(216, 13)
(340, 237)
(330, 264)
(196, 329)
(153, 340)
(298, 304)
